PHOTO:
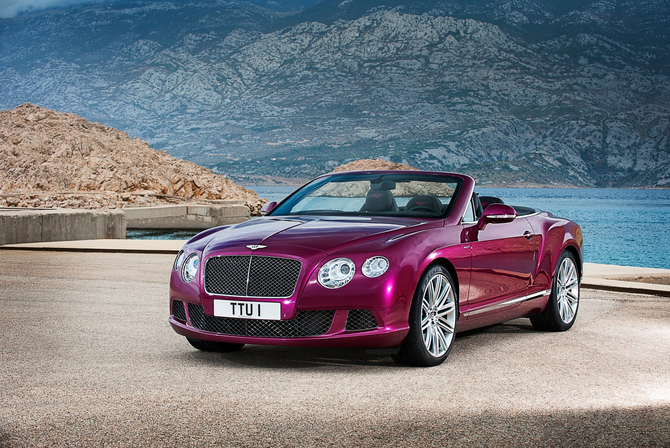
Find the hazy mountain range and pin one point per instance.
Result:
(512, 92)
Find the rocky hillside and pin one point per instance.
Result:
(49, 158)
(369, 164)
(542, 92)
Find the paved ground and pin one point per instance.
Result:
(87, 359)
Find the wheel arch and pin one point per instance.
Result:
(445, 263)
(578, 258)
(560, 236)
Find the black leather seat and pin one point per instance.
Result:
(379, 201)
(424, 203)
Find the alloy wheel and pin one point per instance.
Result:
(568, 290)
(438, 315)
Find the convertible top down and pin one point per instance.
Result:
(396, 261)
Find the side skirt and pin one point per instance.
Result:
(507, 303)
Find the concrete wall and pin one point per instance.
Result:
(20, 225)
(186, 217)
(23, 225)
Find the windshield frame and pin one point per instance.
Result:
(283, 209)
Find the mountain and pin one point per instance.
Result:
(285, 5)
(516, 92)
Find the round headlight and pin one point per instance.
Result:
(336, 273)
(179, 260)
(190, 269)
(375, 266)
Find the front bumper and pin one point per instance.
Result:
(389, 331)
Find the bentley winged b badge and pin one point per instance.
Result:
(256, 246)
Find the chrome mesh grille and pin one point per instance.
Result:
(359, 320)
(251, 276)
(227, 275)
(306, 323)
(178, 310)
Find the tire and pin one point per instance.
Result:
(432, 321)
(563, 304)
(218, 347)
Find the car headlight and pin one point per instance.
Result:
(375, 266)
(179, 260)
(190, 268)
(336, 273)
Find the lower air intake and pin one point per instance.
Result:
(178, 310)
(306, 323)
(360, 320)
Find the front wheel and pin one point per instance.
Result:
(218, 347)
(561, 310)
(432, 321)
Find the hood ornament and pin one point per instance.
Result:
(256, 246)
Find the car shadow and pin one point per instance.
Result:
(290, 358)
(516, 326)
(320, 358)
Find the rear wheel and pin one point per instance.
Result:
(209, 346)
(432, 321)
(561, 310)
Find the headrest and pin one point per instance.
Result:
(383, 185)
(379, 201)
(424, 202)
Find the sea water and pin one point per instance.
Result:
(622, 227)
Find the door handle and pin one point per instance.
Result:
(528, 235)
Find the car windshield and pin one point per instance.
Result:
(406, 194)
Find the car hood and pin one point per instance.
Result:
(323, 234)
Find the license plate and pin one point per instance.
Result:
(247, 310)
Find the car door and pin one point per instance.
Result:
(504, 259)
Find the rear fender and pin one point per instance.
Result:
(559, 235)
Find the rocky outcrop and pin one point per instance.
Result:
(369, 164)
(49, 158)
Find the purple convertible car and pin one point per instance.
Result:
(392, 261)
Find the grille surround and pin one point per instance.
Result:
(361, 320)
(251, 276)
(305, 324)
